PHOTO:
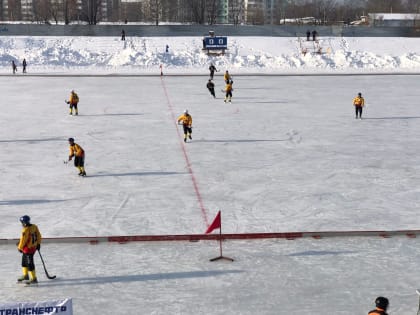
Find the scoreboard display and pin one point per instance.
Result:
(215, 42)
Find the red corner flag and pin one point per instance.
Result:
(217, 223)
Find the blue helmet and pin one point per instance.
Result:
(25, 220)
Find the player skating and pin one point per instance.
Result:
(210, 87)
(227, 77)
(78, 153)
(228, 91)
(359, 103)
(29, 243)
(212, 68)
(73, 101)
(186, 120)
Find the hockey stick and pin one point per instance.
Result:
(418, 292)
(45, 269)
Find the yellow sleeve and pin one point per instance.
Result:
(23, 238)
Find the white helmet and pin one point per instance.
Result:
(186, 111)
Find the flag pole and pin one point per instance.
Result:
(220, 245)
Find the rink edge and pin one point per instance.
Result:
(215, 236)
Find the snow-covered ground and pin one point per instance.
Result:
(287, 155)
(275, 55)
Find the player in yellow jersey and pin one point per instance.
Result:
(359, 103)
(73, 101)
(228, 90)
(186, 120)
(78, 153)
(29, 243)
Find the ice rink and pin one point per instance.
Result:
(287, 155)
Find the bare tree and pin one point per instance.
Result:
(212, 6)
(198, 10)
(155, 10)
(90, 11)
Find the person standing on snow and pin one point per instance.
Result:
(381, 306)
(24, 65)
(210, 87)
(79, 156)
(73, 101)
(14, 67)
(186, 120)
(358, 103)
(29, 243)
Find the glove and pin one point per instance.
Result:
(38, 247)
(70, 157)
(19, 251)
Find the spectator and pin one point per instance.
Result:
(122, 35)
(314, 34)
(167, 48)
(308, 35)
(24, 65)
(14, 67)
(381, 306)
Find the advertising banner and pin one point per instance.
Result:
(62, 307)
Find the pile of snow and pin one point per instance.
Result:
(185, 55)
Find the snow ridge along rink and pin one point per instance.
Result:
(286, 156)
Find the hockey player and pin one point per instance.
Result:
(358, 103)
(29, 243)
(186, 121)
(227, 77)
(381, 306)
(212, 68)
(210, 87)
(228, 90)
(73, 101)
(79, 156)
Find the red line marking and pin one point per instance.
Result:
(187, 160)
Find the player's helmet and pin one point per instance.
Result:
(186, 111)
(382, 302)
(360, 94)
(25, 220)
(71, 140)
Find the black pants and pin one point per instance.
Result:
(359, 110)
(73, 106)
(187, 130)
(211, 74)
(212, 92)
(79, 161)
(28, 261)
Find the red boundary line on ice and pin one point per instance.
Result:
(237, 236)
(187, 160)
